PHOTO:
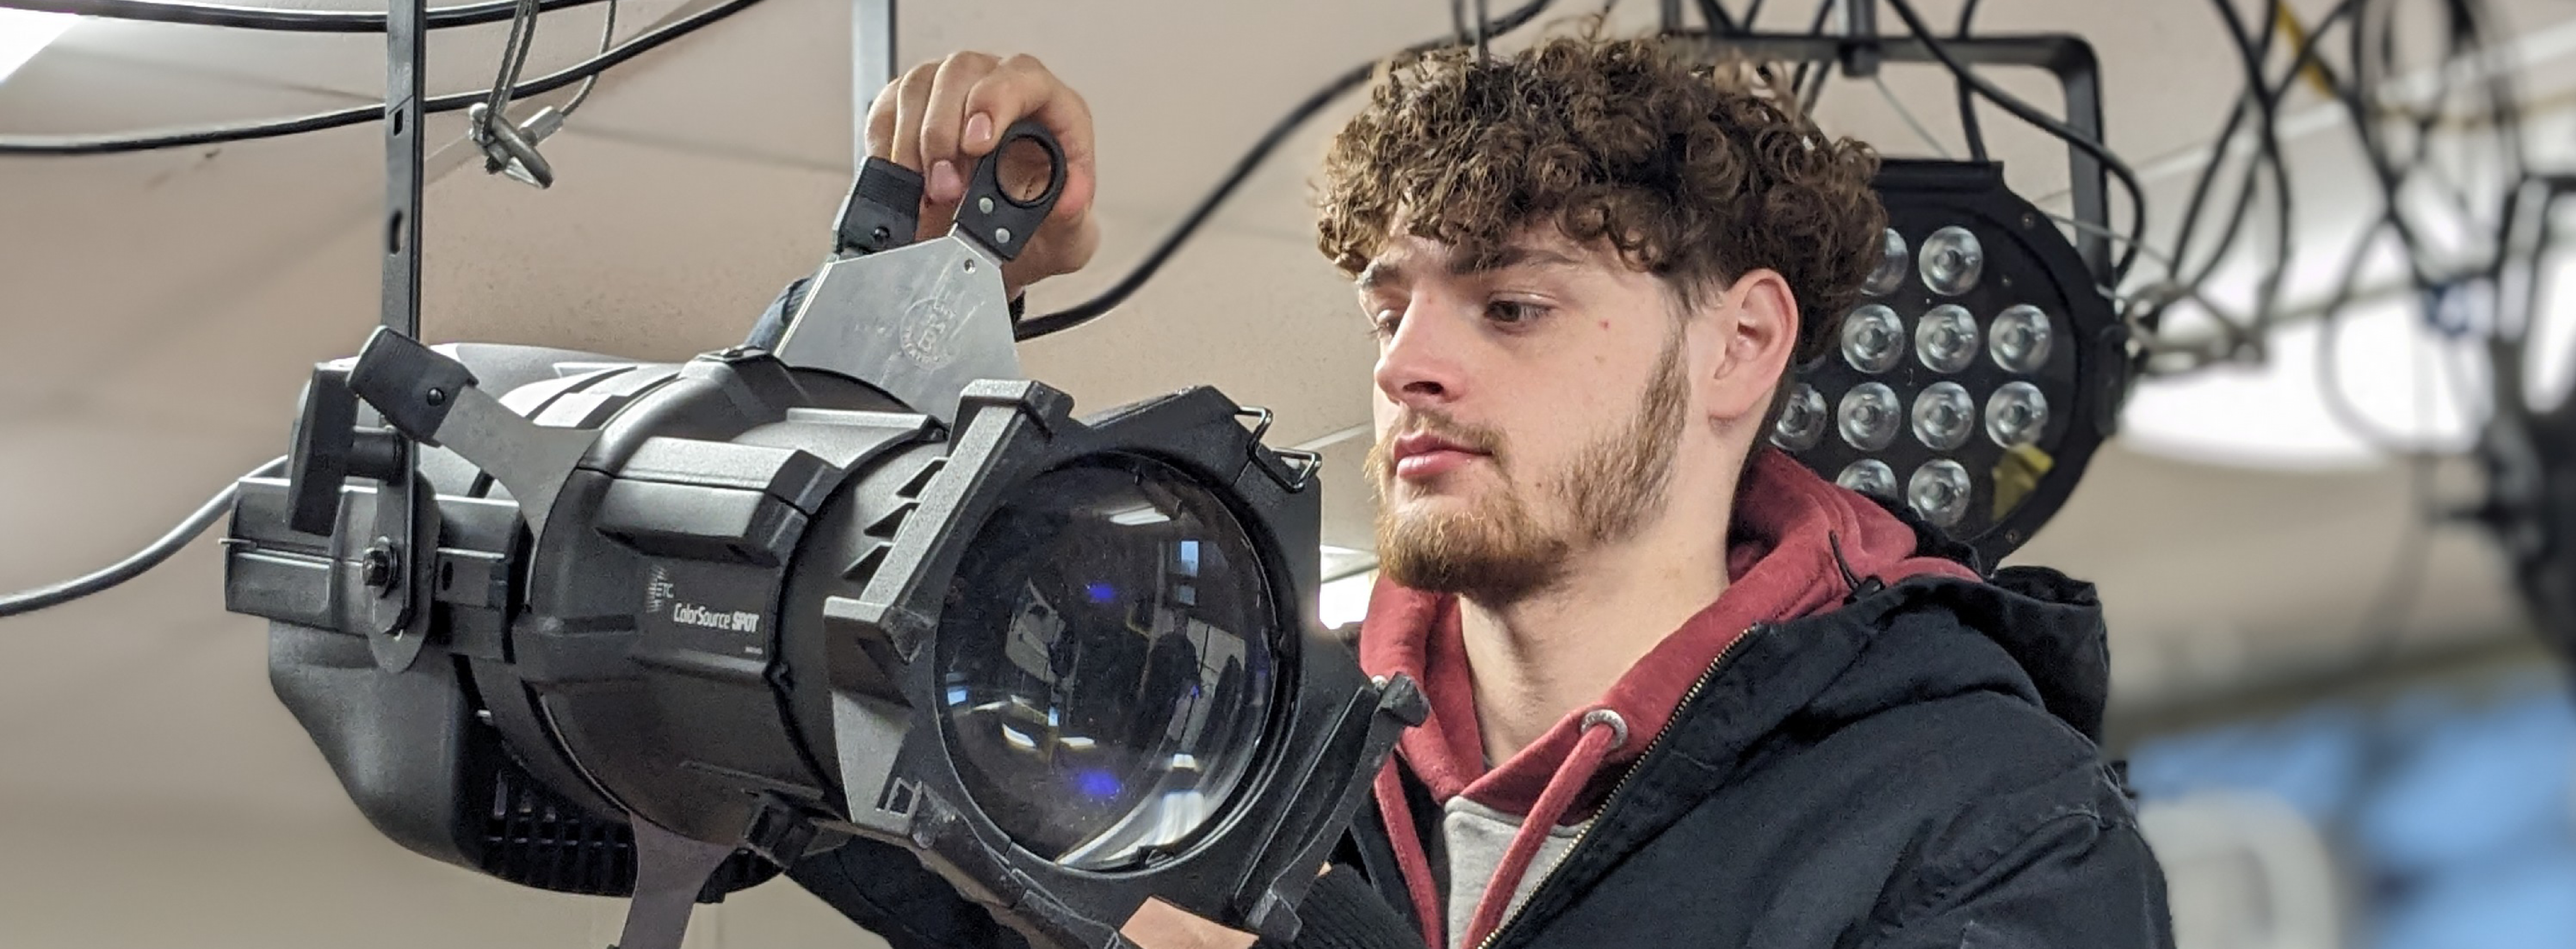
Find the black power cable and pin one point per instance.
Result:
(2268, 156)
(287, 21)
(1968, 125)
(2118, 168)
(1719, 23)
(142, 561)
(1798, 80)
(357, 115)
(2262, 95)
(1117, 293)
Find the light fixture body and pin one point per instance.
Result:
(682, 625)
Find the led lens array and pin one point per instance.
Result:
(1960, 323)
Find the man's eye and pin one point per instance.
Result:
(1383, 323)
(1513, 312)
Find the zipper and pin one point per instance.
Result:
(1714, 666)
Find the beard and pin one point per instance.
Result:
(1503, 550)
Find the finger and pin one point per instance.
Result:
(1161, 925)
(911, 99)
(881, 121)
(1061, 247)
(1023, 87)
(942, 119)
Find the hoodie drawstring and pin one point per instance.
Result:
(1603, 732)
(1411, 861)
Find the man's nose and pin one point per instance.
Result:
(1421, 365)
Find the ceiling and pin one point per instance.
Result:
(159, 312)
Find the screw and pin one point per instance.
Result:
(376, 566)
(984, 204)
(2029, 220)
(437, 397)
(968, 265)
(881, 234)
(1001, 235)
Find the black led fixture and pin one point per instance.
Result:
(1977, 374)
(1984, 362)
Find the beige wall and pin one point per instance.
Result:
(103, 879)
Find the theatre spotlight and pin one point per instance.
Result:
(1979, 371)
(670, 628)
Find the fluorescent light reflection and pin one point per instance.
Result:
(24, 33)
(1345, 601)
(2401, 377)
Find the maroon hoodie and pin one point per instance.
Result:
(1781, 565)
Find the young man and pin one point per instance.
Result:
(1684, 691)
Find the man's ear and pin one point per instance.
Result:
(1752, 330)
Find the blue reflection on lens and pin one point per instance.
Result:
(1190, 558)
(956, 695)
(1095, 783)
(1100, 592)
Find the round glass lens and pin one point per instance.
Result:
(2020, 339)
(1946, 339)
(1939, 492)
(1107, 662)
(2016, 415)
(1944, 415)
(1952, 261)
(1892, 266)
(1873, 338)
(1869, 476)
(1869, 416)
(1802, 421)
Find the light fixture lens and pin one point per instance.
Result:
(1802, 421)
(1939, 491)
(1946, 339)
(1106, 680)
(1873, 338)
(1944, 415)
(2020, 339)
(1892, 266)
(1869, 416)
(1952, 261)
(2016, 415)
(1869, 476)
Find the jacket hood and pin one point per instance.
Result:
(2025, 631)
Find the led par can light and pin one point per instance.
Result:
(1979, 369)
(682, 625)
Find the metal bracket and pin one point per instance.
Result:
(1860, 55)
(670, 871)
(2067, 57)
(398, 519)
(432, 398)
(871, 67)
(919, 322)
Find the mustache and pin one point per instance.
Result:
(1436, 423)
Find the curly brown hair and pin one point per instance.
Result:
(1695, 172)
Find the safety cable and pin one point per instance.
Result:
(143, 560)
(1092, 309)
(286, 21)
(60, 145)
